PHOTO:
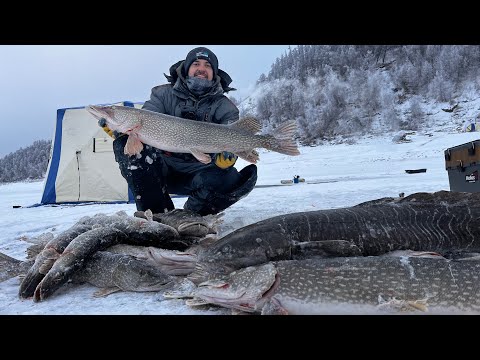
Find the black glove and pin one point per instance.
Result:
(225, 159)
(112, 133)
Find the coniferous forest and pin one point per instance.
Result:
(335, 90)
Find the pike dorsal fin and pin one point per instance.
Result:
(248, 123)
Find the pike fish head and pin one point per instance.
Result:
(230, 253)
(99, 112)
(242, 289)
(120, 118)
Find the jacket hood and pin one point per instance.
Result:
(176, 72)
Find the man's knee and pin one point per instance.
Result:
(209, 200)
(217, 180)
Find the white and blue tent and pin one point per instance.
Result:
(82, 166)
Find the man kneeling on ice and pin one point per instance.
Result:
(196, 92)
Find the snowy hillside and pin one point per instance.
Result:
(466, 108)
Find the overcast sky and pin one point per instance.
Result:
(37, 80)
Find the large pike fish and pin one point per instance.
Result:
(349, 285)
(119, 272)
(441, 222)
(171, 133)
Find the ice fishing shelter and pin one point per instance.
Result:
(82, 165)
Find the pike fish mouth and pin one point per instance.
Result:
(100, 112)
(95, 111)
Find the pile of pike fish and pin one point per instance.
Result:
(419, 253)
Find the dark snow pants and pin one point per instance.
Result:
(154, 174)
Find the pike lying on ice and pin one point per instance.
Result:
(349, 285)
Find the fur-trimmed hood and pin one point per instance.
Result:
(176, 72)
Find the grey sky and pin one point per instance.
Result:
(37, 80)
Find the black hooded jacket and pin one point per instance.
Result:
(175, 99)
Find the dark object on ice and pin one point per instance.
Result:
(463, 164)
(416, 171)
(449, 110)
(295, 180)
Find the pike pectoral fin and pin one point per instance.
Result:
(196, 302)
(412, 253)
(419, 305)
(274, 307)
(105, 292)
(394, 304)
(201, 156)
(327, 248)
(133, 146)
